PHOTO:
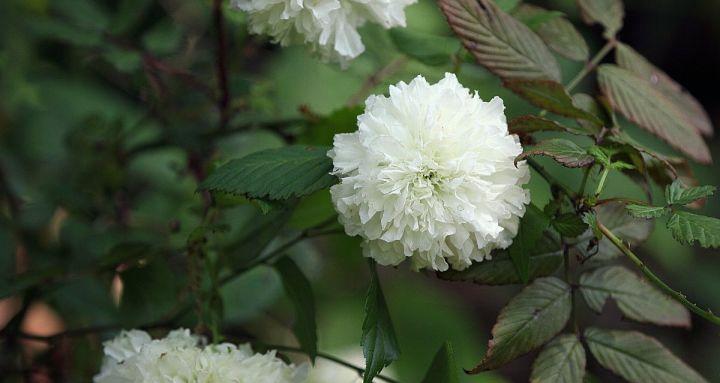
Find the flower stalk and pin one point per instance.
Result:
(678, 296)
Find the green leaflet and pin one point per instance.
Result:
(638, 358)
(530, 319)
(276, 174)
(380, 346)
(636, 298)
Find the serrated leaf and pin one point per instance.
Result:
(565, 152)
(557, 32)
(628, 58)
(499, 42)
(569, 225)
(530, 319)
(608, 13)
(650, 109)
(616, 218)
(380, 346)
(688, 228)
(637, 299)
(529, 124)
(427, 48)
(638, 358)
(678, 194)
(532, 226)
(550, 96)
(561, 361)
(645, 211)
(299, 291)
(443, 368)
(545, 259)
(276, 174)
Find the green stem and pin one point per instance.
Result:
(331, 358)
(549, 177)
(707, 314)
(591, 64)
(601, 184)
(583, 184)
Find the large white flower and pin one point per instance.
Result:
(134, 357)
(328, 26)
(429, 175)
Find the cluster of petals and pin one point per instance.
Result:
(134, 357)
(430, 176)
(329, 27)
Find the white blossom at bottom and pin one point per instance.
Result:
(134, 357)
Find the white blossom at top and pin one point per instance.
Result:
(134, 357)
(329, 27)
(429, 175)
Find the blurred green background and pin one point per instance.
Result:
(83, 83)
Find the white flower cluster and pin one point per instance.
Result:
(328, 26)
(134, 357)
(429, 175)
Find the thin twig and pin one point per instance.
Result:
(331, 358)
(376, 79)
(707, 314)
(313, 232)
(591, 64)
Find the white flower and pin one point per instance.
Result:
(328, 26)
(134, 357)
(429, 175)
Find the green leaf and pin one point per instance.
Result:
(380, 346)
(555, 30)
(545, 259)
(650, 109)
(678, 194)
(616, 218)
(531, 229)
(688, 228)
(427, 48)
(629, 59)
(443, 368)
(608, 13)
(298, 289)
(645, 211)
(569, 225)
(565, 152)
(499, 42)
(551, 96)
(562, 360)
(638, 358)
(637, 299)
(292, 171)
(531, 318)
(531, 123)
